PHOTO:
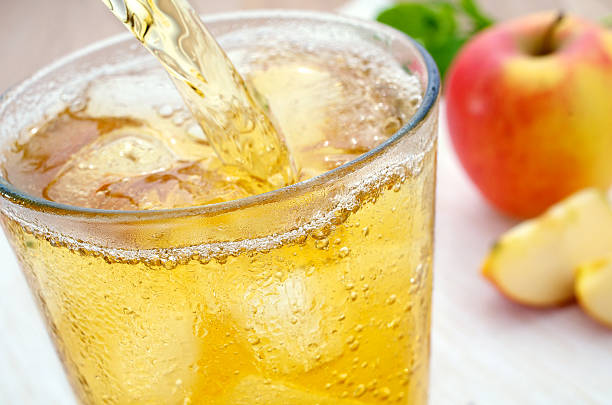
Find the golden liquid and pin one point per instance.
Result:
(236, 126)
(341, 318)
(339, 314)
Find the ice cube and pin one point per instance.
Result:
(291, 321)
(115, 157)
(132, 168)
(300, 97)
(345, 106)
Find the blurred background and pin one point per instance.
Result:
(51, 29)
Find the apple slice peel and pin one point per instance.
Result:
(593, 289)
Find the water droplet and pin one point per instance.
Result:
(322, 244)
(343, 252)
(342, 378)
(354, 346)
(313, 346)
(366, 231)
(340, 217)
(77, 105)
(254, 340)
(178, 120)
(391, 300)
(393, 324)
(353, 296)
(165, 111)
(385, 392)
(196, 132)
(321, 233)
(198, 328)
(359, 391)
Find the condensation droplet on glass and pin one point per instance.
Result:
(165, 111)
(77, 105)
(344, 252)
(196, 132)
(359, 391)
(322, 243)
(68, 97)
(178, 120)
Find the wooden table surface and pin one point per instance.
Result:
(485, 350)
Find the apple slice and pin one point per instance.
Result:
(534, 263)
(593, 287)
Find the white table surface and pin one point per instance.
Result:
(485, 349)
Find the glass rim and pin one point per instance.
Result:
(432, 90)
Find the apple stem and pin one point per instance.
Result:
(547, 46)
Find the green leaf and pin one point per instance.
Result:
(435, 25)
(428, 24)
(479, 20)
(444, 54)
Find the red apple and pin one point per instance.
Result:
(529, 107)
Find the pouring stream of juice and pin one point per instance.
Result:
(237, 127)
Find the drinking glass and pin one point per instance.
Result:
(316, 293)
